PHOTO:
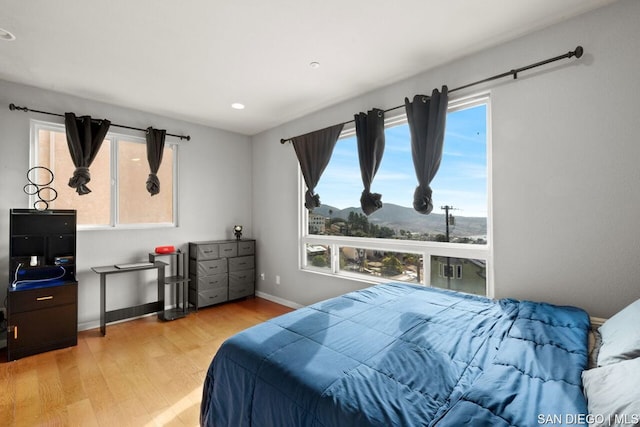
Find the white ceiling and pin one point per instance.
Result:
(192, 59)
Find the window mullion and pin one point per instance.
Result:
(115, 199)
(426, 268)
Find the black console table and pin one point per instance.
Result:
(139, 310)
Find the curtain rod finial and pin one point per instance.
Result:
(14, 107)
(578, 52)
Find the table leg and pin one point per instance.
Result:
(160, 289)
(185, 297)
(103, 305)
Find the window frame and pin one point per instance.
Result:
(114, 137)
(425, 249)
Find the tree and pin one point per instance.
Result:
(319, 261)
(391, 266)
(357, 222)
(384, 232)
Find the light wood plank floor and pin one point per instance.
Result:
(144, 372)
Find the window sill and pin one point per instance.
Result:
(125, 227)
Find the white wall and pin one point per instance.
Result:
(566, 179)
(214, 193)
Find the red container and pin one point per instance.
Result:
(165, 249)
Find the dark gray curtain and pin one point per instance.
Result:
(84, 138)
(370, 134)
(427, 119)
(314, 152)
(155, 149)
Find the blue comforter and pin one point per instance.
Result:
(403, 355)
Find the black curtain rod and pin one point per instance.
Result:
(577, 53)
(14, 107)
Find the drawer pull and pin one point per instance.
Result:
(228, 250)
(208, 251)
(44, 298)
(15, 332)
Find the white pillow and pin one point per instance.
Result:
(613, 394)
(621, 336)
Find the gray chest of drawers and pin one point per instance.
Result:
(221, 270)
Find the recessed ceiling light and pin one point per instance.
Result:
(237, 106)
(314, 64)
(6, 35)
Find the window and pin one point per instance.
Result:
(118, 197)
(449, 270)
(450, 248)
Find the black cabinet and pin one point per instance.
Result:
(42, 300)
(42, 319)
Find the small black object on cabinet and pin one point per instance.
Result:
(42, 300)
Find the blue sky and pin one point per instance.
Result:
(461, 180)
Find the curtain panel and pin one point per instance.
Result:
(370, 136)
(314, 152)
(155, 149)
(84, 138)
(427, 121)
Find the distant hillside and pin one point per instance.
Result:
(401, 218)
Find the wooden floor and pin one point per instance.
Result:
(144, 372)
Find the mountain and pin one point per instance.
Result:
(402, 218)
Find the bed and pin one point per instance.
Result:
(398, 354)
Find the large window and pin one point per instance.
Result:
(118, 197)
(449, 248)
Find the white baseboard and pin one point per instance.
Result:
(278, 300)
(85, 326)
